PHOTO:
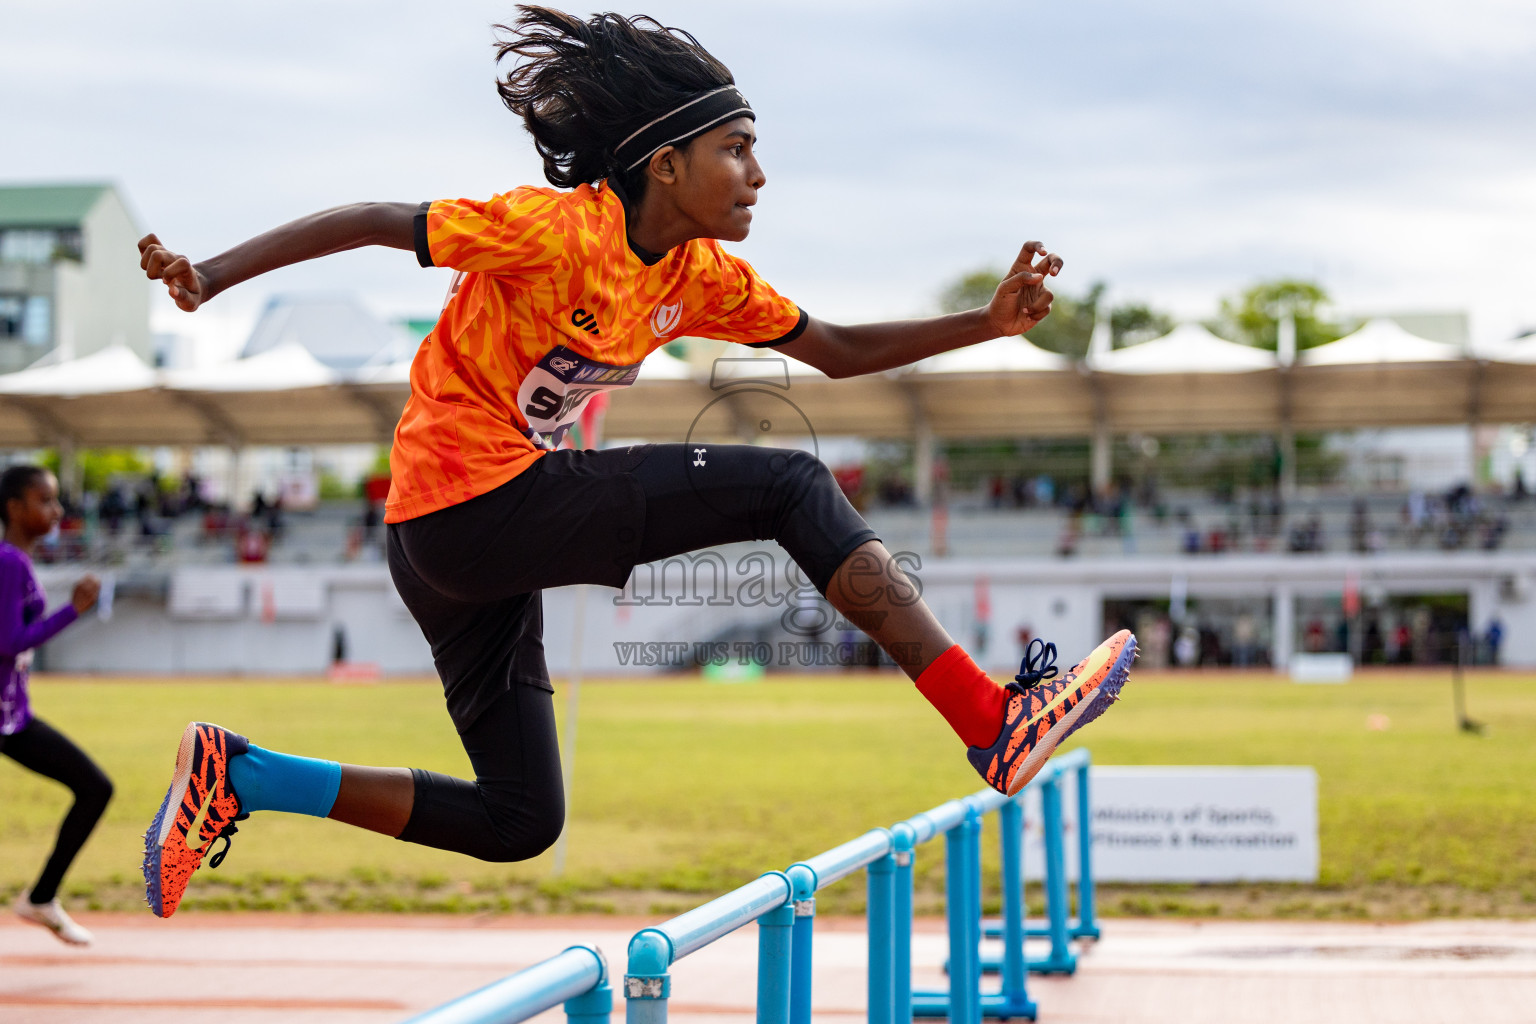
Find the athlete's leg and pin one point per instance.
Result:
(515, 807)
(744, 492)
(48, 752)
(733, 493)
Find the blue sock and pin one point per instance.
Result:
(265, 780)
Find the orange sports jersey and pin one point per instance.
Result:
(551, 306)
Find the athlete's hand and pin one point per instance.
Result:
(1022, 300)
(86, 592)
(187, 287)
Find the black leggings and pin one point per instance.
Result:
(43, 749)
(471, 576)
(515, 808)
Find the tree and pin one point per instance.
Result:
(1136, 322)
(1254, 317)
(970, 291)
(1069, 328)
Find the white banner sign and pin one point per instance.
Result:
(1190, 824)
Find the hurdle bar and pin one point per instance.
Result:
(577, 977)
(783, 903)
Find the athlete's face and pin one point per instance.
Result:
(37, 511)
(717, 181)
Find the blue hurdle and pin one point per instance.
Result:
(783, 903)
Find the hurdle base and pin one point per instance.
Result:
(994, 1006)
(994, 930)
(1050, 965)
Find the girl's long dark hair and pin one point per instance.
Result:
(581, 87)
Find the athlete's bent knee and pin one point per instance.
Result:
(525, 825)
(526, 843)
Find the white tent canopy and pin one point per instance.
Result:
(1188, 380)
(113, 370)
(283, 368)
(1188, 348)
(1000, 355)
(1380, 341)
(1521, 351)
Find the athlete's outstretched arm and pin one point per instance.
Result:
(320, 234)
(1020, 302)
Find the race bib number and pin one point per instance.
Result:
(554, 392)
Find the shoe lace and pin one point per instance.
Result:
(228, 830)
(1039, 665)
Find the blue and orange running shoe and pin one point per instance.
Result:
(199, 809)
(1045, 710)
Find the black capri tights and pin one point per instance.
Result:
(471, 575)
(41, 748)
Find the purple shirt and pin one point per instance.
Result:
(22, 627)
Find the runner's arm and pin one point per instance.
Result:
(319, 234)
(1020, 302)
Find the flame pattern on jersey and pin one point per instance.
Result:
(545, 269)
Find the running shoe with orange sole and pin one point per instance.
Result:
(201, 804)
(1044, 710)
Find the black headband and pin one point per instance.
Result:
(700, 114)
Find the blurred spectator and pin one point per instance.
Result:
(895, 492)
(997, 489)
(1314, 638)
(275, 518)
(371, 519)
(252, 545)
(1158, 634)
(216, 523)
(1245, 641)
(850, 480)
(1372, 649)
(1493, 532)
(1360, 527)
(1071, 533)
(1494, 638)
(1186, 649)
(113, 508)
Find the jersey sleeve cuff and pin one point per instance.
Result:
(794, 332)
(419, 232)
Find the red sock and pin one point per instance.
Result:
(971, 703)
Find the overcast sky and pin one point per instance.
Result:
(1179, 151)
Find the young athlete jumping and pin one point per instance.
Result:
(560, 294)
(29, 508)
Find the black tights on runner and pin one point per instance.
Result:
(43, 749)
(471, 575)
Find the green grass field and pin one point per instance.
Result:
(686, 789)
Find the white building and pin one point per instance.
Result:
(70, 282)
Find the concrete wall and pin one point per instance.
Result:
(228, 619)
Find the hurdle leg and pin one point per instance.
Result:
(882, 939)
(592, 1008)
(1087, 918)
(1013, 1000)
(647, 983)
(901, 1009)
(1061, 959)
(774, 944)
(803, 896)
